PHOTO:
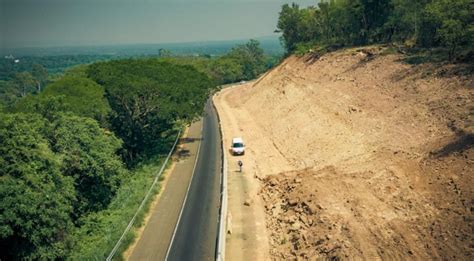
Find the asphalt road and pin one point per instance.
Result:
(196, 233)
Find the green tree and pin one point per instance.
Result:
(405, 20)
(36, 199)
(89, 156)
(81, 96)
(250, 57)
(164, 53)
(456, 20)
(89, 153)
(148, 97)
(288, 25)
(40, 74)
(26, 83)
(9, 94)
(226, 70)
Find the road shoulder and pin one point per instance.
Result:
(249, 238)
(155, 236)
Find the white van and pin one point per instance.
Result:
(238, 147)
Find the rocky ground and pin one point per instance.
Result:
(360, 155)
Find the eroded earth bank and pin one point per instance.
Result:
(355, 154)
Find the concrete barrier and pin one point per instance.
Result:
(222, 231)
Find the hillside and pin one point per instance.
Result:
(357, 154)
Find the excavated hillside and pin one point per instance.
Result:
(357, 154)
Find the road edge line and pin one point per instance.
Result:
(186, 196)
(130, 224)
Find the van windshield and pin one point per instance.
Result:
(238, 145)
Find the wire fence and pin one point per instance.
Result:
(130, 224)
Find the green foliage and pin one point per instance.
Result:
(250, 57)
(88, 155)
(78, 95)
(289, 23)
(55, 168)
(65, 191)
(36, 199)
(148, 97)
(55, 173)
(164, 53)
(54, 64)
(25, 82)
(9, 94)
(243, 62)
(423, 23)
(40, 74)
(226, 70)
(98, 232)
(456, 23)
(81, 96)
(306, 47)
(48, 107)
(79, 71)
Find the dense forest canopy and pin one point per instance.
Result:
(10, 65)
(32, 74)
(71, 142)
(73, 148)
(420, 23)
(148, 97)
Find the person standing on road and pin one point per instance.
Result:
(240, 163)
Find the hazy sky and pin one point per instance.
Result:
(32, 23)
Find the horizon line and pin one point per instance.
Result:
(137, 43)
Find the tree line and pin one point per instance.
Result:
(72, 147)
(243, 62)
(55, 64)
(415, 23)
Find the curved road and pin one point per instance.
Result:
(190, 196)
(196, 233)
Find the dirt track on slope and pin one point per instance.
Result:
(357, 154)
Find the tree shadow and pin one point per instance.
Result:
(441, 70)
(188, 140)
(311, 58)
(427, 62)
(183, 153)
(463, 142)
(369, 55)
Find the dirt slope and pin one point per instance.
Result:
(358, 154)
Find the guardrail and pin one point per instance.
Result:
(130, 224)
(221, 235)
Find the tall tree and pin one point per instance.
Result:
(40, 74)
(288, 25)
(456, 19)
(26, 82)
(148, 97)
(250, 57)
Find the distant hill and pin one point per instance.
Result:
(270, 44)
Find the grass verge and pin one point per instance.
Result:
(99, 232)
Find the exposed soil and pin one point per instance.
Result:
(360, 155)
